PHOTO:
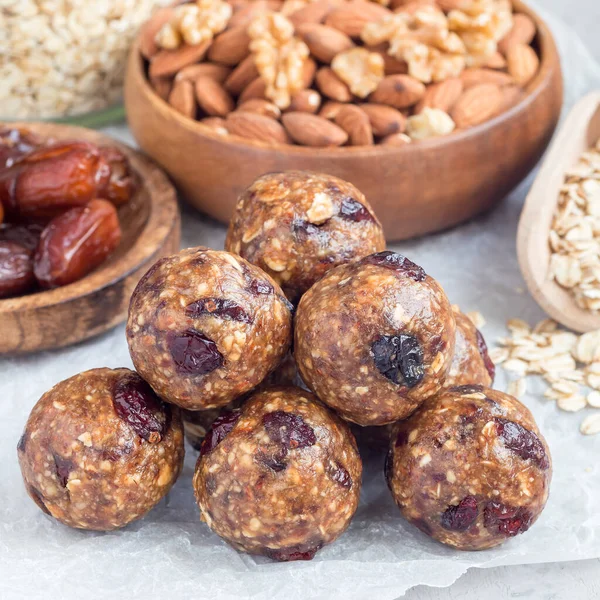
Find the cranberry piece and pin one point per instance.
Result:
(353, 210)
(223, 424)
(467, 389)
(396, 262)
(508, 520)
(522, 442)
(63, 467)
(22, 443)
(293, 553)
(194, 353)
(401, 438)
(260, 287)
(218, 307)
(303, 229)
(289, 430)
(340, 475)
(136, 403)
(399, 358)
(275, 460)
(461, 516)
(483, 350)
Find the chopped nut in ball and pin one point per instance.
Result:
(470, 468)
(280, 477)
(206, 327)
(375, 338)
(297, 225)
(100, 450)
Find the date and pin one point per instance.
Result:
(16, 143)
(122, 183)
(75, 243)
(25, 234)
(16, 269)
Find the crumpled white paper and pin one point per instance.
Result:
(171, 554)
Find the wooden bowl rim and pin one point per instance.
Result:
(145, 245)
(548, 61)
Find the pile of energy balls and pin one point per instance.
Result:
(270, 350)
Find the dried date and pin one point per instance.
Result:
(75, 243)
(16, 269)
(26, 235)
(16, 143)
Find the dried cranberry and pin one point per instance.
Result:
(522, 442)
(467, 389)
(63, 467)
(399, 358)
(293, 553)
(508, 520)
(22, 443)
(340, 475)
(260, 287)
(402, 438)
(194, 353)
(460, 516)
(223, 424)
(353, 210)
(289, 430)
(396, 262)
(483, 351)
(218, 307)
(136, 403)
(302, 228)
(276, 460)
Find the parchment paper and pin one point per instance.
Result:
(170, 554)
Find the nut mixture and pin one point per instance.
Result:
(570, 365)
(297, 225)
(100, 450)
(470, 468)
(575, 232)
(65, 57)
(375, 338)
(281, 477)
(280, 72)
(206, 327)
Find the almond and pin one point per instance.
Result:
(217, 72)
(243, 16)
(241, 76)
(148, 47)
(353, 16)
(523, 31)
(162, 86)
(442, 95)
(324, 42)
(217, 124)
(309, 70)
(399, 91)
(495, 61)
(256, 127)
(523, 63)
(305, 101)
(169, 62)
(260, 107)
(384, 120)
(313, 12)
(255, 89)
(476, 105)
(331, 86)
(213, 98)
(355, 123)
(396, 139)
(311, 130)
(330, 109)
(230, 47)
(471, 77)
(182, 98)
(448, 5)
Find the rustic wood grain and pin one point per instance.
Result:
(98, 302)
(580, 131)
(415, 189)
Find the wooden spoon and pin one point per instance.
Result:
(580, 131)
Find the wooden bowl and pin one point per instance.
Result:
(580, 131)
(96, 303)
(415, 189)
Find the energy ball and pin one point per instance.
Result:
(279, 477)
(206, 327)
(471, 362)
(100, 450)
(298, 225)
(375, 338)
(470, 468)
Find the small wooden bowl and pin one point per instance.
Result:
(98, 302)
(580, 131)
(415, 189)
